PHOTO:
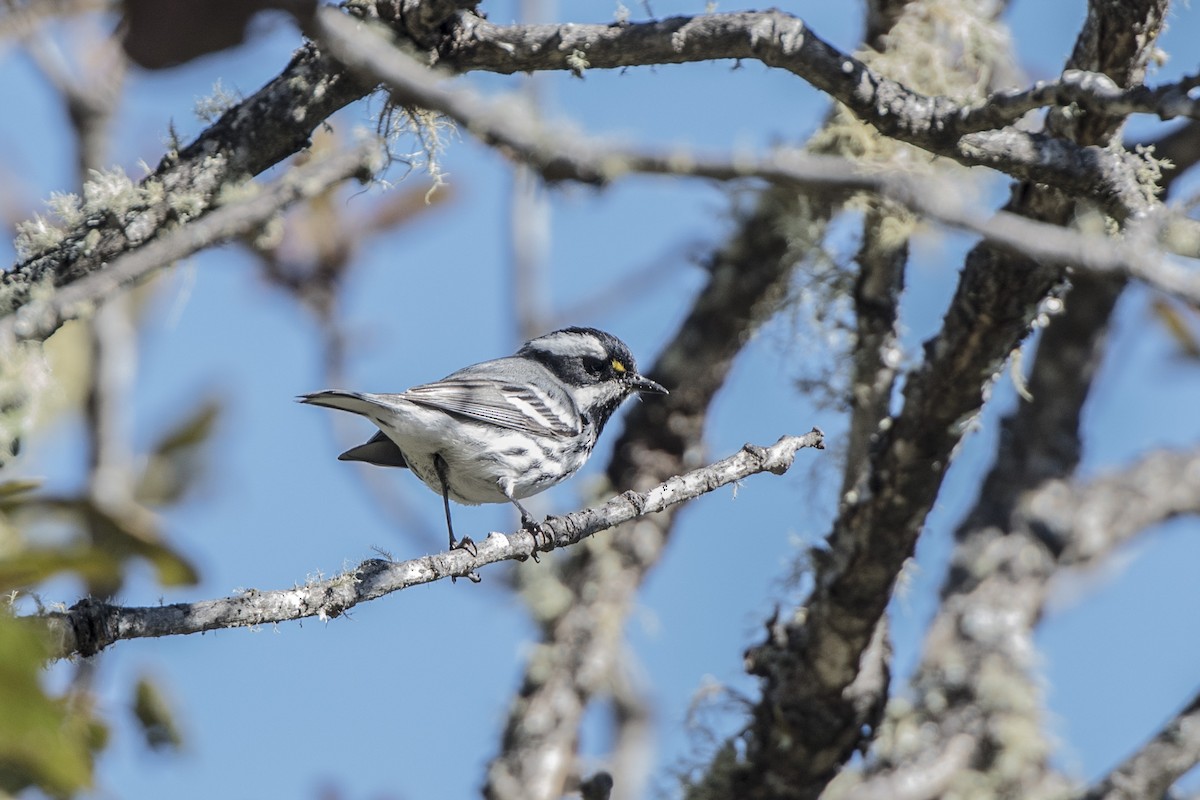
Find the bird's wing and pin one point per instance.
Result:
(525, 408)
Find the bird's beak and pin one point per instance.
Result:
(644, 384)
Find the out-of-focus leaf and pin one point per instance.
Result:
(192, 431)
(171, 567)
(155, 716)
(45, 741)
(134, 533)
(12, 495)
(176, 462)
(14, 489)
(115, 535)
(31, 566)
(1178, 326)
(166, 33)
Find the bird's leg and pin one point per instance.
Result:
(527, 521)
(439, 466)
(526, 518)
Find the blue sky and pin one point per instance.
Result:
(405, 698)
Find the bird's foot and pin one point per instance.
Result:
(465, 543)
(470, 575)
(543, 535)
(528, 523)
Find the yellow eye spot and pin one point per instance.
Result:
(618, 366)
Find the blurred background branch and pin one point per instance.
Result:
(134, 412)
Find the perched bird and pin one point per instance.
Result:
(501, 430)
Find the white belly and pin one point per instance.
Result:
(482, 461)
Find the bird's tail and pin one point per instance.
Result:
(380, 449)
(353, 402)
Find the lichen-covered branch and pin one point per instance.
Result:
(257, 133)
(1088, 521)
(805, 725)
(975, 675)
(972, 134)
(560, 157)
(90, 626)
(882, 258)
(38, 319)
(277, 120)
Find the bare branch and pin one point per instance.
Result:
(1093, 91)
(38, 319)
(90, 626)
(561, 157)
(1088, 521)
(634, 735)
(89, 96)
(964, 133)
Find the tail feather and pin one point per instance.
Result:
(353, 402)
(379, 450)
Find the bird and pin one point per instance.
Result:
(500, 430)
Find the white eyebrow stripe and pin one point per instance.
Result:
(569, 344)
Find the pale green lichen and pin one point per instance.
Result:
(236, 192)
(153, 192)
(299, 83)
(36, 236)
(210, 108)
(67, 207)
(577, 62)
(269, 235)
(952, 48)
(173, 144)
(110, 191)
(1149, 169)
(187, 204)
(91, 241)
(432, 132)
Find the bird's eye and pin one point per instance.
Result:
(593, 366)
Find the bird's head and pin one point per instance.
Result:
(597, 368)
